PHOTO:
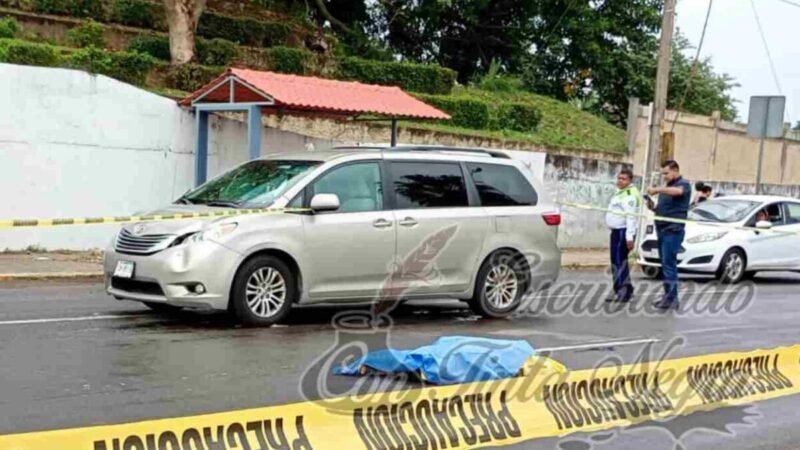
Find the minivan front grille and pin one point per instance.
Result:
(146, 244)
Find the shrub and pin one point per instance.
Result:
(130, 67)
(90, 59)
(87, 34)
(215, 52)
(465, 112)
(518, 117)
(425, 78)
(151, 44)
(288, 60)
(138, 13)
(8, 27)
(76, 8)
(190, 77)
(27, 53)
(243, 30)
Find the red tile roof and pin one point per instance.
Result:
(293, 93)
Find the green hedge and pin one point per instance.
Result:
(521, 117)
(75, 8)
(425, 78)
(468, 112)
(8, 27)
(27, 53)
(465, 112)
(151, 44)
(243, 30)
(190, 77)
(216, 52)
(130, 67)
(288, 60)
(213, 52)
(139, 13)
(87, 34)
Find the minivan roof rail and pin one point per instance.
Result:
(444, 148)
(426, 148)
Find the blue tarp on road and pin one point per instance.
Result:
(449, 360)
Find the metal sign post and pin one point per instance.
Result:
(765, 120)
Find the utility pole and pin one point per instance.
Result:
(662, 83)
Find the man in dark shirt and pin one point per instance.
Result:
(673, 202)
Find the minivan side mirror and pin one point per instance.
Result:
(324, 202)
(764, 224)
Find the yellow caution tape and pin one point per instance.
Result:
(27, 223)
(544, 404)
(674, 220)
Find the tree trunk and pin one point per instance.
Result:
(182, 18)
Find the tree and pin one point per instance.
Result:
(182, 19)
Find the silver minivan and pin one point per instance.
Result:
(355, 225)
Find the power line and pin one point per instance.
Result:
(694, 66)
(766, 48)
(789, 2)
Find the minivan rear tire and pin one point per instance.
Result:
(264, 290)
(499, 286)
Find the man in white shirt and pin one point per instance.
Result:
(621, 219)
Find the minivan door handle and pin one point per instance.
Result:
(408, 222)
(381, 223)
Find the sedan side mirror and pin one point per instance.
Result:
(324, 202)
(764, 224)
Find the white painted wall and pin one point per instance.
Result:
(74, 144)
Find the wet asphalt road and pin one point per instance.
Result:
(71, 356)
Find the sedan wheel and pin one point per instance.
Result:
(732, 268)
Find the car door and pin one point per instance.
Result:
(791, 225)
(439, 233)
(767, 250)
(349, 251)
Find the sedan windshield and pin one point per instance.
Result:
(258, 182)
(722, 210)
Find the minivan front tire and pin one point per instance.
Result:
(499, 286)
(263, 291)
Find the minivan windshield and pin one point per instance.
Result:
(722, 210)
(257, 183)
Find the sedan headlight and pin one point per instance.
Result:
(707, 237)
(212, 234)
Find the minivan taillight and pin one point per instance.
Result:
(552, 219)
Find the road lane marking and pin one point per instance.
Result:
(72, 319)
(602, 344)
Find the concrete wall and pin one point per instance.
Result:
(74, 144)
(711, 150)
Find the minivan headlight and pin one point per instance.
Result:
(212, 234)
(707, 237)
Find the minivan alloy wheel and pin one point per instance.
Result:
(265, 292)
(501, 286)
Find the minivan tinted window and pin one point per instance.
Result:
(428, 185)
(500, 185)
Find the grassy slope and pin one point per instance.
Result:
(562, 125)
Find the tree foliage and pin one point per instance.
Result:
(594, 53)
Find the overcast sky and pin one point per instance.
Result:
(734, 45)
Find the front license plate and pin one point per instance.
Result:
(124, 269)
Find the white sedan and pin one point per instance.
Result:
(712, 246)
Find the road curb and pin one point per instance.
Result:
(51, 276)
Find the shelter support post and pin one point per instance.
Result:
(201, 147)
(254, 131)
(394, 132)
